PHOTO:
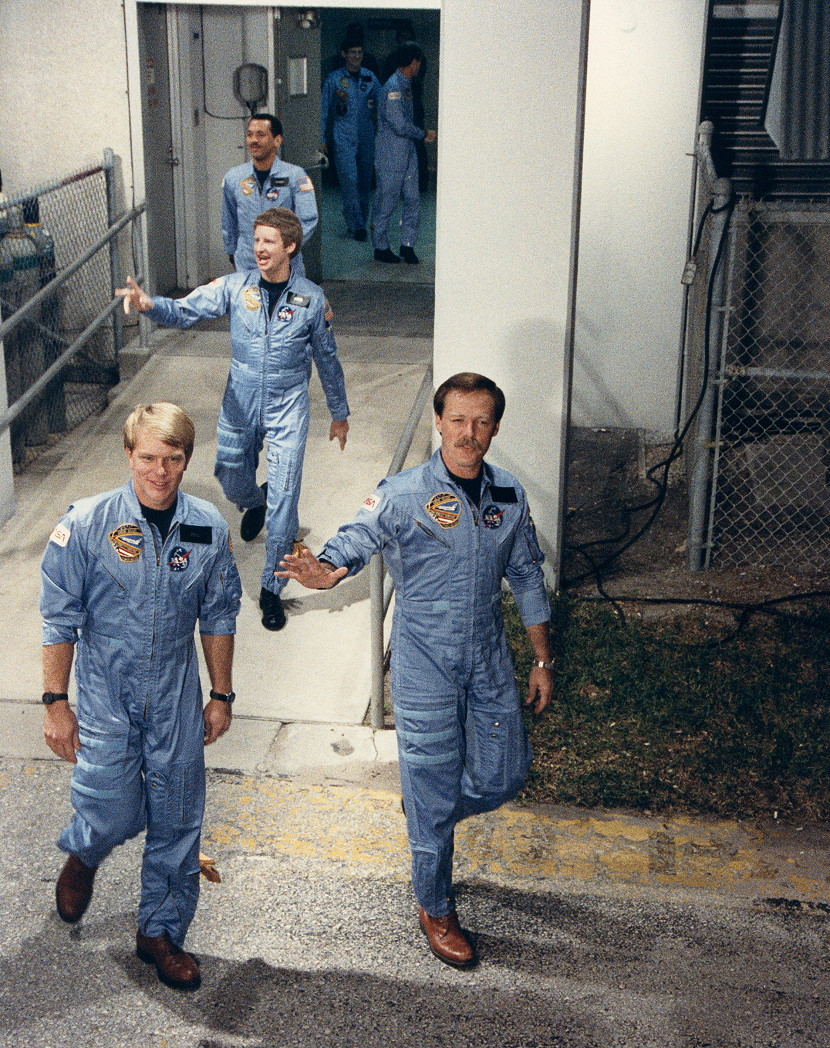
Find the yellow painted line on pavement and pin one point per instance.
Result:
(364, 830)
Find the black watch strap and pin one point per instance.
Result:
(49, 697)
(222, 697)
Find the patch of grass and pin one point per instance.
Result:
(683, 714)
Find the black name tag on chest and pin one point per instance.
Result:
(201, 534)
(279, 183)
(502, 494)
(299, 300)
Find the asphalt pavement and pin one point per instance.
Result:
(595, 929)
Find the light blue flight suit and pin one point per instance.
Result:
(266, 395)
(350, 102)
(396, 163)
(286, 186)
(131, 604)
(462, 745)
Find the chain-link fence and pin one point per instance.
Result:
(58, 269)
(770, 490)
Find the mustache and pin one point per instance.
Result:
(468, 442)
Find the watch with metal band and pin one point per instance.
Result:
(54, 696)
(222, 697)
(542, 664)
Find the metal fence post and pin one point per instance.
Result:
(115, 255)
(702, 457)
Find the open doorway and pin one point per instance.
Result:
(382, 31)
(203, 123)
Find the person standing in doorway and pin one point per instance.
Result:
(396, 160)
(266, 182)
(349, 105)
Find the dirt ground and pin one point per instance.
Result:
(607, 474)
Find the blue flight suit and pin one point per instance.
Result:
(266, 395)
(462, 745)
(286, 186)
(396, 163)
(349, 102)
(131, 604)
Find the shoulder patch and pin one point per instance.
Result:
(371, 502)
(60, 535)
(328, 312)
(201, 534)
(506, 495)
(305, 185)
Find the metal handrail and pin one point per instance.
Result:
(49, 289)
(34, 391)
(380, 588)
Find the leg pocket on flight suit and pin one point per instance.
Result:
(498, 752)
(283, 467)
(176, 796)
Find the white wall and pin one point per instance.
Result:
(503, 237)
(63, 89)
(644, 62)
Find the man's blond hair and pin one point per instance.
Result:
(164, 421)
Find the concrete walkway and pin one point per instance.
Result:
(303, 693)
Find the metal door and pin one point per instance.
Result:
(297, 99)
(159, 156)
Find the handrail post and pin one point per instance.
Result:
(376, 617)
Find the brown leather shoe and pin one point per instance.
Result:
(174, 967)
(447, 940)
(74, 889)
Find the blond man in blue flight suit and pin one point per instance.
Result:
(266, 182)
(450, 531)
(279, 322)
(126, 578)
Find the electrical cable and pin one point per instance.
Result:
(657, 502)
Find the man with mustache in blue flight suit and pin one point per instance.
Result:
(267, 182)
(450, 531)
(126, 577)
(279, 322)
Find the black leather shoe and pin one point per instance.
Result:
(74, 889)
(253, 519)
(409, 256)
(174, 966)
(273, 613)
(360, 234)
(447, 939)
(386, 255)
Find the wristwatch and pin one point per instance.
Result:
(222, 697)
(542, 664)
(49, 697)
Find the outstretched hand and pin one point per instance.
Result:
(134, 297)
(306, 569)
